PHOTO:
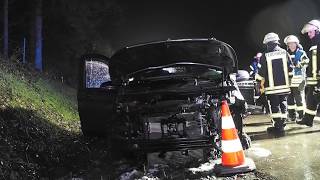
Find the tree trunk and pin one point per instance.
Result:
(38, 36)
(5, 31)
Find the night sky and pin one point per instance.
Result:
(243, 28)
(75, 27)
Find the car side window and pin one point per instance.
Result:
(96, 73)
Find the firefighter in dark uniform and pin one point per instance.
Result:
(255, 65)
(296, 76)
(260, 97)
(316, 93)
(313, 72)
(275, 81)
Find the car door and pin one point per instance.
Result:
(96, 95)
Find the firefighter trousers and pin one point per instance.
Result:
(295, 103)
(312, 102)
(278, 106)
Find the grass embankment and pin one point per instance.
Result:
(23, 88)
(39, 127)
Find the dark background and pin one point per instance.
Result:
(242, 24)
(75, 27)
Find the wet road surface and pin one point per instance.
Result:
(293, 156)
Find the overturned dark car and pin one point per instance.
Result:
(161, 96)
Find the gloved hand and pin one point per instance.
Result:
(298, 65)
(262, 90)
(302, 85)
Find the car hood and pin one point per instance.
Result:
(204, 51)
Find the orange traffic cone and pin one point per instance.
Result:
(233, 159)
(233, 154)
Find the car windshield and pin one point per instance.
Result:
(183, 71)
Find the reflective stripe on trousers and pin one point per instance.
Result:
(311, 105)
(278, 106)
(295, 103)
(300, 108)
(278, 115)
(311, 112)
(278, 91)
(292, 107)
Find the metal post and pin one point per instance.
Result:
(24, 51)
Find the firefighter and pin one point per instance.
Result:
(255, 65)
(316, 93)
(260, 97)
(275, 81)
(313, 73)
(296, 76)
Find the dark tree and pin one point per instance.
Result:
(38, 35)
(75, 27)
(58, 32)
(5, 30)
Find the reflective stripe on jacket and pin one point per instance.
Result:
(274, 70)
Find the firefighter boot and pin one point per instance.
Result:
(306, 120)
(278, 128)
(300, 115)
(292, 115)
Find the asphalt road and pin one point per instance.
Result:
(293, 156)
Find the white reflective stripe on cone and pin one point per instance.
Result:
(292, 107)
(227, 122)
(229, 146)
(311, 112)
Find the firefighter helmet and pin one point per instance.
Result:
(271, 37)
(290, 39)
(313, 25)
